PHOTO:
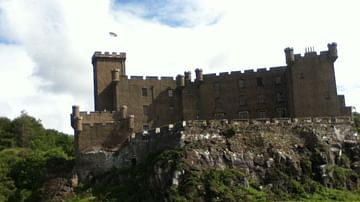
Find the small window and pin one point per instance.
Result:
(218, 103)
(241, 83)
(279, 97)
(259, 82)
(278, 80)
(243, 115)
(281, 112)
(170, 93)
(261, 99)
(219, 115)
(242, 100)
(146, 109)
(171, 109)
(146, 127)
(302, 75)
(261, 114)
(217, 86)
(144, 92)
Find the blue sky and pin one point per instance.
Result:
(45, 47)
(174, 13)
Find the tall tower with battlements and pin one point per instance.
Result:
(108, 68)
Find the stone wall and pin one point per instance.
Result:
(140, 145)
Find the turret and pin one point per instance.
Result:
(115, 73)
(76, 119)
(187, 77)
(123, 112)
(180, 81)
(108, 67)
(332, 48)
(199, 74)
(289, 55)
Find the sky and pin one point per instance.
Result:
(46, 45)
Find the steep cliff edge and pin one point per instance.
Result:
(230, 161)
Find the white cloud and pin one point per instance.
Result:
(47, 66)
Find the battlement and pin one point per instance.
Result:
(152, 78)
(310, 52)
(245, 72)
(99, 54)
(170, 129)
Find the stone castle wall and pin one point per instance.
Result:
(175, 136)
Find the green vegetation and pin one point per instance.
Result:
(28, 152)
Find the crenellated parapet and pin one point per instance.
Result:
(310, 52)
(103, 129)
(99, 54)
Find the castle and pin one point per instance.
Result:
(304, 87)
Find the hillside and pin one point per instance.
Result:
(237, 161)
(31, 158)
(214, 161)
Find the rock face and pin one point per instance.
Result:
(268, 153)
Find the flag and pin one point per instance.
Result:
(113, 34)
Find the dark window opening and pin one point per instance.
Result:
(241, 83)
(219, 115)
(218, 103)
(302, 76)
(133, 161)
(281, 112)
(217, 86)
(261, 99)
(279, 97)
(243, 115)
(261, 114)
(146, 127)
(278, 80)
(146, 109)
(242, 100)
(144, 92)
(170, 93)
(259, 82)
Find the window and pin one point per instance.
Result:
(241, 83)
(217, 86)
(302, 75)
(279, 97)
(146, 109)
(144, 92)
(281, 112)
(218, 103)
(243, 115)
(259, 82)
(171, 109)
(242, 100)
(219, 115)
(261, 114)
(146, 127)
(278, 80)
(261, 99)
(170, 93)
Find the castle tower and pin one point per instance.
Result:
(313, 86)
(289, 55)
(108, 67)
(199, 74)
(332, 48)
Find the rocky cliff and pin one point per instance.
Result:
(231, 161)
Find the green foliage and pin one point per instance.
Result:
(230, 132)
(28, 152)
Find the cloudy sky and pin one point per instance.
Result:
(46, 45)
